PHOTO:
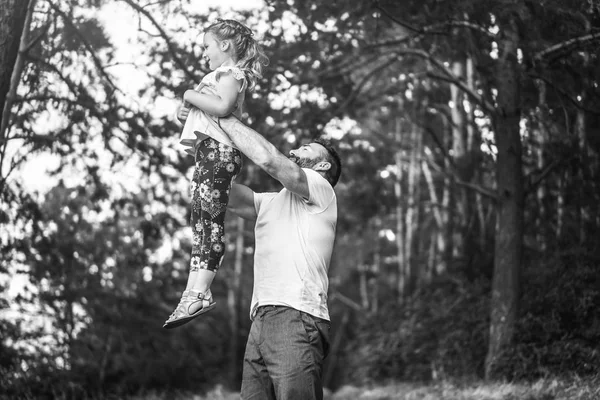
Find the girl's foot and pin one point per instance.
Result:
(192, 304)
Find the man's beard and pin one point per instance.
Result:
(303, 162)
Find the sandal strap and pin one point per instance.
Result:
(188, 298)
(196, 295)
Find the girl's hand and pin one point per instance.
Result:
(183, 111)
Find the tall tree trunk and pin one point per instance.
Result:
(459, 156)
(583, 209)
(583, 214)
(233, 294)
(438, 239)
(446, 235)
(509, 222)
(14, 21)
(542, 137)
(412, 210)
(402, 260)
(15, 18)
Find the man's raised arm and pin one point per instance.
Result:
(241, 202)
(266, 156)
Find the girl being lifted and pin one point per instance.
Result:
(236, 61)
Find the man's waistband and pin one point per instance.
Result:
(263, 309)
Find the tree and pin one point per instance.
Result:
(509, 215)
(12, 21)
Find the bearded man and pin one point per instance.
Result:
(295, 231)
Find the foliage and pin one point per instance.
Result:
(559, 329)
(438, 334)
(441, 333)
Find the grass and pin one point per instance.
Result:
(543, 389)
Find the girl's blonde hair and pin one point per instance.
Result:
(250, 55)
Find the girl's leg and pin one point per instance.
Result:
(195, 223)
(220, 164)
(182, 310)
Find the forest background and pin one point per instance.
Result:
(467, 247)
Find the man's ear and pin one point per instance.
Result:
(323, 166)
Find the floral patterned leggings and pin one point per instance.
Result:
(217, 165)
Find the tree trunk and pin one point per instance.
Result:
(233, 303)
(459, 156)
(542, 136)
(446, 234)
(509, 221)
(13, 17)
(402, 264)
(438, 239)
(412, 209)
(561, 188)
(583, 209)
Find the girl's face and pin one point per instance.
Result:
(213, 51)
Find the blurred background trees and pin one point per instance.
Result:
(467, 234)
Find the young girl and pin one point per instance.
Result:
(236, 61)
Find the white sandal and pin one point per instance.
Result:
(182, 314)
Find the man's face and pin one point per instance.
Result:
(308, 155)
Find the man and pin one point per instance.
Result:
(295, 231)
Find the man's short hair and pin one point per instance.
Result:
(332, 157)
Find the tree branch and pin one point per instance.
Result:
(490, 193)
(431, 30)
(363, 82)
(566, 95)
(70, 84)
(449, 77)
(345, 300)
(170, 46)
(580, 40)
(35, 40)
(396, 20)
(342, 67)
(543, 174)
(87, 45)
(434, 29)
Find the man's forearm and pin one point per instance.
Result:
(266, 156)
(251, 143)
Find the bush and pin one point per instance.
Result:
(440, 333)
(559, 330)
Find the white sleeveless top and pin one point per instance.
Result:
(199, 124)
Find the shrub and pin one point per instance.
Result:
(559, 330)
(438, 334)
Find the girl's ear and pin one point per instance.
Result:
(225, 45)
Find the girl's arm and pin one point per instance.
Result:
(223, 102)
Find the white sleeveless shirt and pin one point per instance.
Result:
(199, 124)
